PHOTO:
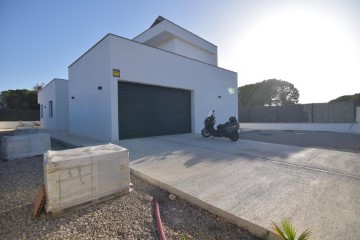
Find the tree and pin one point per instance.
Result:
(248, 95)
(19, 99)
(348, 98)
(3, 103)
(37, 87)
(271, 92)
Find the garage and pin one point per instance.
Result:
(147, 110)
(149, 86)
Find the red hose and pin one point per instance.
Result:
(158, 221)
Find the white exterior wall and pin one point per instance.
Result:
(186, 43)
(62, 105)
(142, 64)
(90, 108)
(94, 113)
(44, 96)
(183, 48)
(57, 92)
(168, 45)
(187, 49)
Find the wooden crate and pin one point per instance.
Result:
(76, 176)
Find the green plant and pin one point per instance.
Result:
(289, 232)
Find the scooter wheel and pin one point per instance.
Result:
(205, 133)
(234, 136)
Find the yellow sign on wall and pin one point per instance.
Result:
(116, 72)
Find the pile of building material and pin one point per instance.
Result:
(23, 131)
(28, 145)
(81, 175)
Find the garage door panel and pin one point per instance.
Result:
(146, 110)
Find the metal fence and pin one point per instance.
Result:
(9, 115)
(340, 112)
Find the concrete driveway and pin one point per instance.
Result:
(254, 183)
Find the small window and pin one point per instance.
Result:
(51, 109)
(41, 111)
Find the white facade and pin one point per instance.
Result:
(94, 112)
(168, 36)
(54, 106)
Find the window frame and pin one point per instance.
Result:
(51, 113)
(41, 111)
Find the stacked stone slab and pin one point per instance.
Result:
(80, 175)
(27, 145)
(24, 131)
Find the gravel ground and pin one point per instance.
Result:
(325, 140)
(127, 217)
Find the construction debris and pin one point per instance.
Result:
(39, 201)
(172, 197)
(21, 146)
(149, 198)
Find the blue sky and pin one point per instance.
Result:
(312, 44)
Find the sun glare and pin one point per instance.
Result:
(310, 50)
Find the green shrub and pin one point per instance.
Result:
(288, 231)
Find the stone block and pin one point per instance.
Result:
(80, 175)
(21, 146)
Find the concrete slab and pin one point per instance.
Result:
(72, 140)
(253, 183)
(22, 146)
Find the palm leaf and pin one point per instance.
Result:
(289, 229)
(305, 235)
(279, 231)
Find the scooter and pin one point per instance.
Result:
(228, 130)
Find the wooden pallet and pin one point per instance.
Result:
(39, 201)
(61, 212)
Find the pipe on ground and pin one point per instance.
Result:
(158, 221)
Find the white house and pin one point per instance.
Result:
(54, 105)
(168, 36)
(164, 81)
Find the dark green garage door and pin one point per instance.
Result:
(146, 110)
